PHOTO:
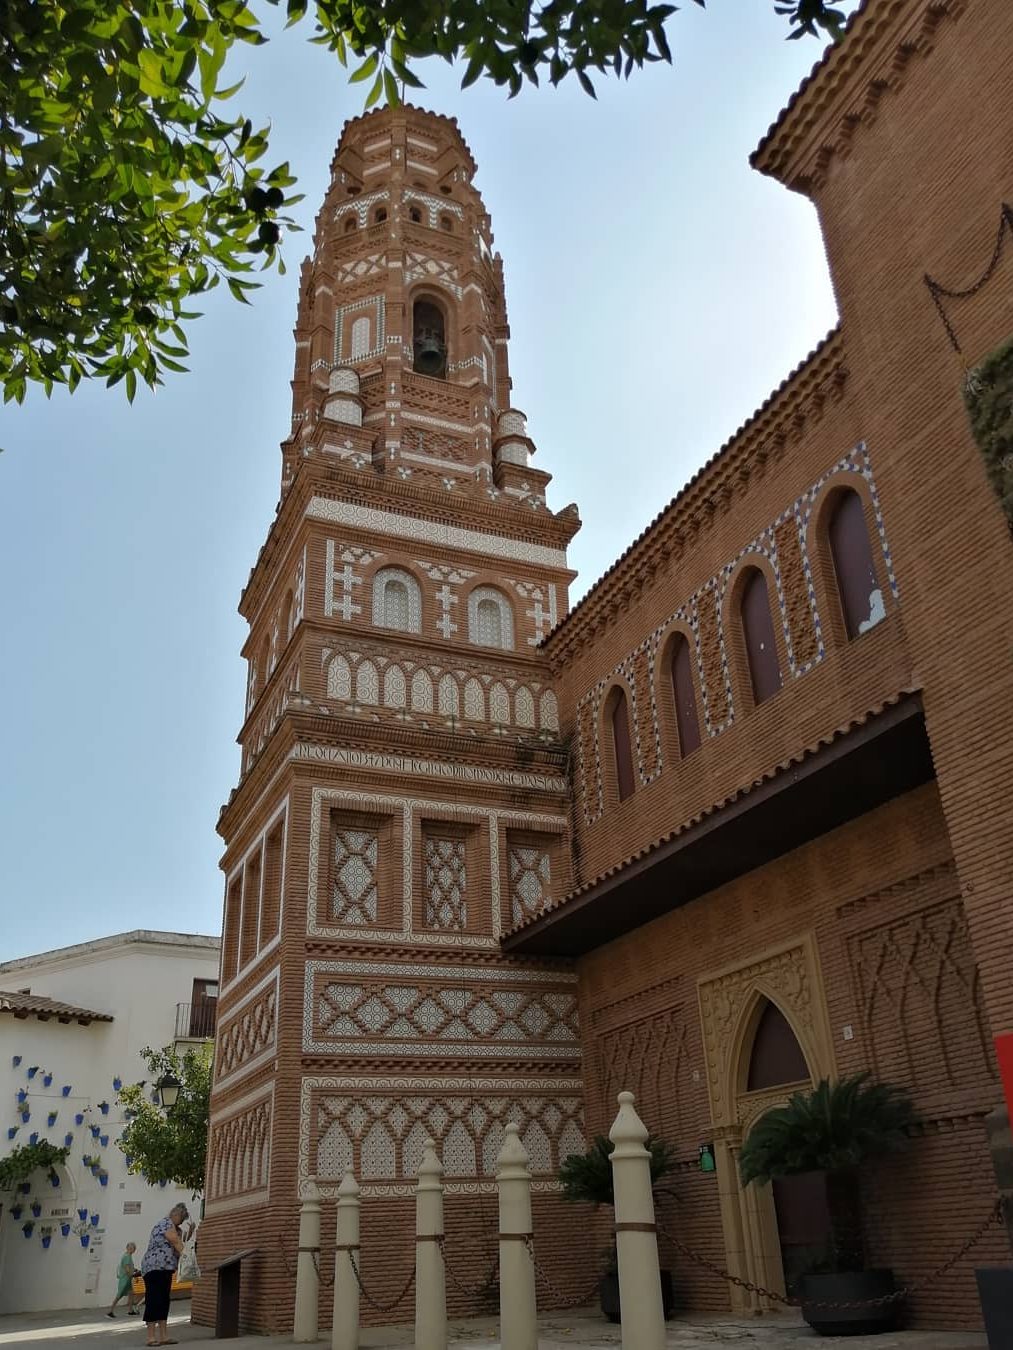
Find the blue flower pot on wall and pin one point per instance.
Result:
(54, 1179)
(12, 1131)
(68, 1139)
(28, 1228)
(65, 1229)
(16, 1060)
(104, 1108)
(47, 1078)
(117, 1084)
(94, 1221)
(96, 1130)
(47, 1240)
(22, 1095)
(16, 1211)
(65, 1090)
(79, 1118)
(85, 1239)
(51, 1119)
(104, 1140)
(33, 1138)
(32, 1071)
(36, 1208)
(82, 1214)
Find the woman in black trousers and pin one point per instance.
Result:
(158, 1267)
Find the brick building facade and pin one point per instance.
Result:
(490, 859)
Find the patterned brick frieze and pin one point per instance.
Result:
(784, 547)
(377, 1127)
(246, 1037)
(364, 680)
(239, 1153)
(428, 1010)
(918, 993)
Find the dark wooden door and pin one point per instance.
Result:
(803, 1223)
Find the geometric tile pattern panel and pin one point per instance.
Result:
(701, 617)
(353, 900)
(248, 1034)
(446, 881)
(380, 1133)
(428, 1010)
(239, 1155)
(529, 881)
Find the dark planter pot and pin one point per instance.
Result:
(822, 1295)
(608, 1295)
(995, 1290)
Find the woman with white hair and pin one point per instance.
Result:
(158, 1266)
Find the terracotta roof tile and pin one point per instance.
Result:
(742, 791)
(34, 1005)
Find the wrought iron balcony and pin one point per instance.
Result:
(196, 1021)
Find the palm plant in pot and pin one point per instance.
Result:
(586, 1179)
(834, 1129)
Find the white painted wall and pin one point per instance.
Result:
(139, 979)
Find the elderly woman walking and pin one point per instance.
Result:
(158, 1266)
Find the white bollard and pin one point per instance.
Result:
(430, 1273)
(307, 1280)
(518, 1314)
(345, 1317)
(641, 1308)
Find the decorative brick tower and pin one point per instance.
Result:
(404, 795)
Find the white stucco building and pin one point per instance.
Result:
(80, 1017)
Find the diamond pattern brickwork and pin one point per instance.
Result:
(354, 891)
(446, 884)
(529, 880)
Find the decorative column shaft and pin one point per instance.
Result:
(430, 1273)
(307, 1281)
(641, 1309)
(345, 1316)
(518, 1314)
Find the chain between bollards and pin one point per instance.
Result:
(994, 1216)
(375, 1303)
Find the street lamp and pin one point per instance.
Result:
(168, 1090)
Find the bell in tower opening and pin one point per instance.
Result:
(429, 341)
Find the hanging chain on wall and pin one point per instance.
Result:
(993, 1217)
(939, 292)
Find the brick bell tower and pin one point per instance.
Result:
(403, 797)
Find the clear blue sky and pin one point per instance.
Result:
(658, 289)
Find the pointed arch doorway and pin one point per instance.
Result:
(766, 1035)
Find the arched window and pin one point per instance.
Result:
(379, 215)
(446, 224)
(861, 597)
(622, 746)
(776, 1056)
(397, 600)
(351, 224)
(360, 338)
(490, 619)
(681, 669)
(758, 631)
(415, 215)
(287, 616)
(429, 339)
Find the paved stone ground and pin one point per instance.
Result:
(94, 1331)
